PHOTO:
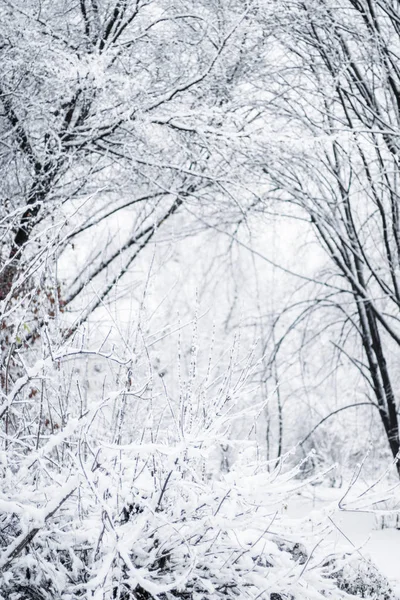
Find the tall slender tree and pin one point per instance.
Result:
(338, 102)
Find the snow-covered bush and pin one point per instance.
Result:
(363, 579)
(122, 496)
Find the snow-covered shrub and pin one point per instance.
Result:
(122, 497)
(362, 579)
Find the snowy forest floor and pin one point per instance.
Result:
(353, 530)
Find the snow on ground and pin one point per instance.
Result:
(353, 530)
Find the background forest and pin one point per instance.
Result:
(199, 297)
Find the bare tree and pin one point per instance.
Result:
(336, 157)
(101, 119)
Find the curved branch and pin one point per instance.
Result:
(370, 403)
